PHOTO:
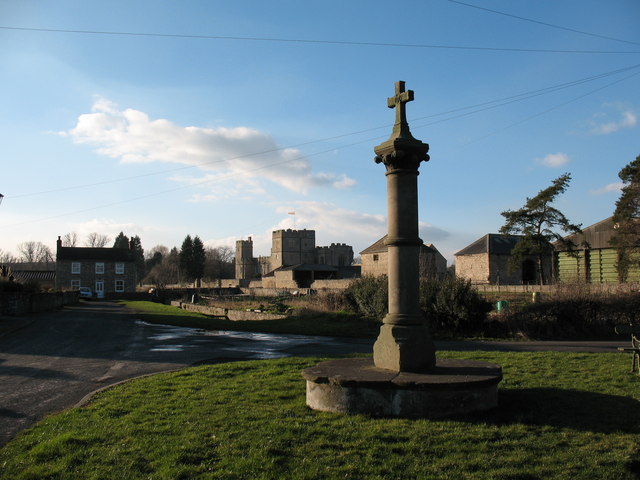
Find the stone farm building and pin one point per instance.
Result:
(295, 261)
(41, 273)
(103, 270)
(374, 260)
(595, 260)
(485, 261)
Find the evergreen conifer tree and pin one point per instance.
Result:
(538, 223)
(626, 220)
(121, 241)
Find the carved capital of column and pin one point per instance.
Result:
(398, 157)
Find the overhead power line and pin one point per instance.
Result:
(316, 41)
(559, 27)
(209, 181)
(460, 112)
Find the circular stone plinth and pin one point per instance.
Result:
(356, 385)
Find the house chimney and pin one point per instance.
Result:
(59, 243)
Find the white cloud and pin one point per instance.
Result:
(554, 160)
(239, 155)
(603, 124)
(612, 187)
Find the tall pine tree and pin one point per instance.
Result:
(138, 254)
(186, 255)
(121, 241)
(538, 223)
(626, 219)
(192, 258)
(198, 258)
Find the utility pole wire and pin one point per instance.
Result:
(474, 109)
(312, 41)
(559, 27)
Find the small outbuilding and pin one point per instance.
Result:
(595, 260)
(486, 261)
(374, 260)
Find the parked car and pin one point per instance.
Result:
(85, 292)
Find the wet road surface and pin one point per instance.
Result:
(50, 362)
(54, 360)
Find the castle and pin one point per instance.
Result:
(293, 251)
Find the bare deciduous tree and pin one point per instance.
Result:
(35, 252)
(96, 240)
(7, 257)
(162, 250)
(219, 263)
(166, 272)
(70, 239)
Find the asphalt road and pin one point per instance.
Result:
(50, 362)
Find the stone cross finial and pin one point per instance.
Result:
(398, 102)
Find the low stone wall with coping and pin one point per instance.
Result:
(233, 315)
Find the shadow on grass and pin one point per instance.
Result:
(579, 410)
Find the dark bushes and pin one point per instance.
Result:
(451, 305)
(368, 296)
(574, 316)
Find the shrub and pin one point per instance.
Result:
(452, 305)
(578, 315)
(368, 296)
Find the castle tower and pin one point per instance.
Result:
(292, 247)
(245, 264)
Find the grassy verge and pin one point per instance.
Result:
(317, 323)
(561, 416)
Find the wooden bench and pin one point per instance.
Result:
(634, 331)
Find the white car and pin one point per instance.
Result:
(85, 292)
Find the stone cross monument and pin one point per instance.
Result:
(404, 343)
(404, 378)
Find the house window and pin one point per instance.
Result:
(75, 267)
(75, 284)
(100, 268)
(119, 285)
(120, 268)
(375, 258)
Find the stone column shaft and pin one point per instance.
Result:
(404, 344)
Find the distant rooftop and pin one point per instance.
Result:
(492, 243)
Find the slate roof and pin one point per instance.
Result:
(92, 253)
(380, 247)
(23, 271)
(492, 243)
(597, 235)
(24, 275)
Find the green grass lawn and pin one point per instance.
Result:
(318, 323)
(561, 416)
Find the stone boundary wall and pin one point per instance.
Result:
(233, 315)
(480, 287)
(19, 303)
(275, 292)
(341, 284)
(605, 288)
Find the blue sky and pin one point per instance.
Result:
(217, 119)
